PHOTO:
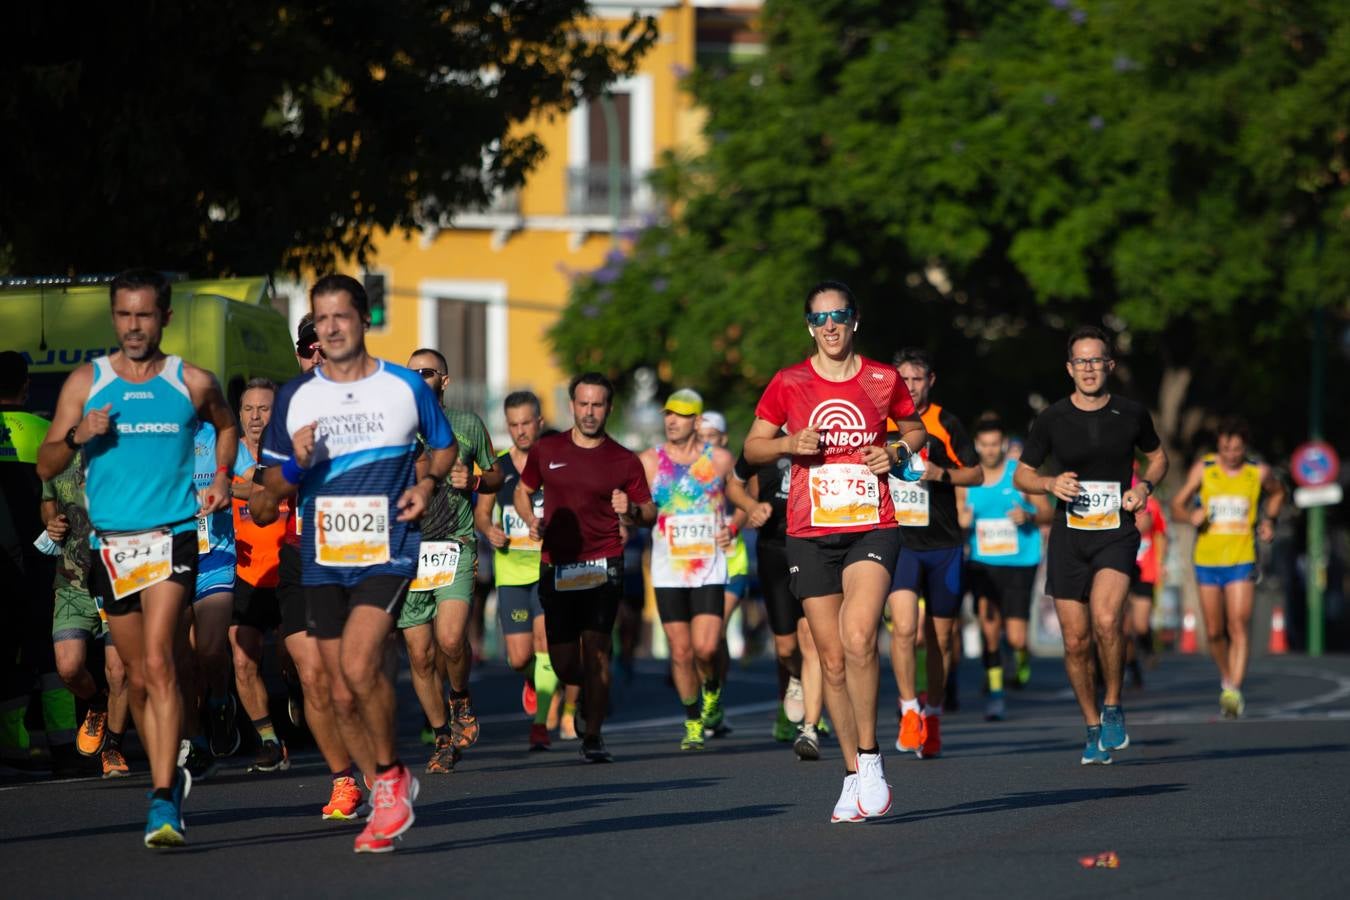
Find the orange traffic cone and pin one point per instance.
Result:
(1279, 641)
(1188, 641)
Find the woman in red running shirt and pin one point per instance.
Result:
(842, 540)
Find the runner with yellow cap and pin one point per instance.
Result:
(688, 477)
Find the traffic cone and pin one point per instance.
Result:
(1188, 642)
(1279, 642)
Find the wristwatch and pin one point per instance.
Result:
(1148, 484)
(70, 439)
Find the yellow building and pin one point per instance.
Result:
(485, 286)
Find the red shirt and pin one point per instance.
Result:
(1147, 559)
(579, 519)
(830, 492)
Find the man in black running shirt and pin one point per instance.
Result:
(1092, 435)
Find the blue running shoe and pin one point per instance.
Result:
(1113, 729)
(1093, 754)
(164, 827)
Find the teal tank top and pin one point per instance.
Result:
(994, 540)
(138, 476)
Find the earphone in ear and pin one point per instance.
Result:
(855, 324)
(811, 331)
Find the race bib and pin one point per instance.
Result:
(437, 565)
(203, 535)
(910, 499)
(995, 537)
(517, 532)
(1097, 506)
(844, 494)
(351, 531)
(1229, 514)
(134, 562)
(581, 576)
(691, 536)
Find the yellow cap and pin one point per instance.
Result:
(685, 402)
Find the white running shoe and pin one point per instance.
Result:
(846, 807)
(794, 701)
(874, 794)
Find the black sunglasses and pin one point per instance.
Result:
(308, 350)
(429, 373)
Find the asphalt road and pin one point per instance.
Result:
(1195, 807)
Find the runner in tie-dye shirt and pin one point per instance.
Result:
(689, 563)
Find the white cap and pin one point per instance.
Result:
(715, 420)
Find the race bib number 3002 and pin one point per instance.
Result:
(1097, 506)
(437, 565)
(351, 531)
(844, 494)
(136, 561)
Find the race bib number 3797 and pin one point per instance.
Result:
(351, 531)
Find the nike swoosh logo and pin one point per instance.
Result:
(556, 465)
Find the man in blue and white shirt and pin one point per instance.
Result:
(346, 434)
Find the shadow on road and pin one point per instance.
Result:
(1242, 753)
(619, 825)
(1032, 800)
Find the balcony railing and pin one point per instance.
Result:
(588, 191)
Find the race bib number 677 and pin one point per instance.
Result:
(136, 561)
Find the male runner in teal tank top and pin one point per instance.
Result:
(134, 413)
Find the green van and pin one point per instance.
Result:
(227, 326)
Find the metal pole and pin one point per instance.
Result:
(615, 171)
(1317, 515)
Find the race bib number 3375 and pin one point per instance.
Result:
(844, 494)
(351, 531)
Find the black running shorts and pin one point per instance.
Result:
(782, 606)
(568, 613)
(1007, 587)
(681, 604)
(1074, 557)
(328, 605)
(184, 572)
(816, 565)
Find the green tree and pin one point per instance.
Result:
(221, 138)
(987, 175)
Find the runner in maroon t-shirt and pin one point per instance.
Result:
(592, 486)
(829, 414)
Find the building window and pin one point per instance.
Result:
(589, 175)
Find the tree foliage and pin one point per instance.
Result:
(986, 175)
(239, 137)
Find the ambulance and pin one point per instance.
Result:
(226, 326)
